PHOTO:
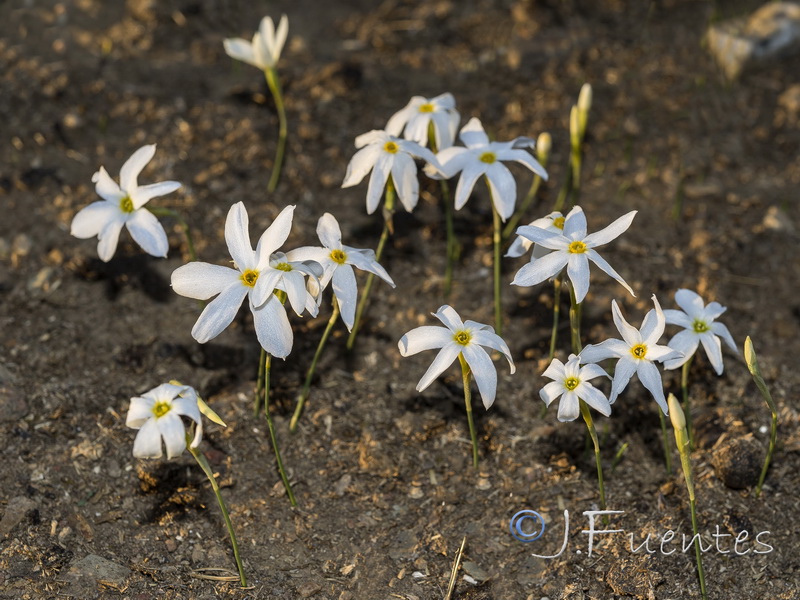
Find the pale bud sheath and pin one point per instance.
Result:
(585, 98)
(544, 144)
(676, 413)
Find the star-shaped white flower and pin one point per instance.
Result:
(157, 415)
(637, 351)
(123, 205)
(256, 275)
(571, 382)
(386, 155)
(457, 337)
(265, 49)
(554, 222)
(573, 249)
(482, 157)
(415, 119)
(697, 320)
(337, 262)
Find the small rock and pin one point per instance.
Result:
(16, 510)
(20, 248)
(340, 487)
(171, 545)
(197, 554)
(308, 589)
(738, 462)
(85, 573)
(474, 570)
(776, 219)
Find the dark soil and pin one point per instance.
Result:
(382, 473)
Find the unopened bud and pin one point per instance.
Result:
(574, 127)
(676, 413)
(585, 98)
(544, 144)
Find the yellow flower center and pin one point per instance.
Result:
(284, 266)
(571, 383)
(338, 256)
(488, 157)
(249, 277)
(577, 247)
(639, 351)
(700, 326)
(462, 337)
(558, 222)
(161, 408)
(391, 147)
(426, 108)
(126, 205)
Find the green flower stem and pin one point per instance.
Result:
(275, 87)
(497, 239)
(557, 283)
(576, 161)
(452, 242)
(682, 441)
(755, 371)
(301, 399)
(511, 226)
(168, 212)
(575, 321)
(587, 417)
(388, 228)
(687, 410)
(201, 460)
(465, 373)
(665, 438)
(267, 361)
(262, 361)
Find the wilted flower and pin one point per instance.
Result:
(337, 262)
(157, 415)
(123, 205)
(256, 275)
(386, 155)
(482, 157)
(571, 382)
(637, 352)
(265, 49)
(697, 320)
(415, 119)
(458, 338)
(573, 249)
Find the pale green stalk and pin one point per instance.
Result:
(575, 313)
(465, 373)
(275, 87)
(388, 227)
(496, 237)
(557, 283)
(755, 371)
(685, 392)
(301, 399)
(452, 242)
(587, 417)
(267, 361)
(201, 460)
(665, 441)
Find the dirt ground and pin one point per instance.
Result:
(385, 487)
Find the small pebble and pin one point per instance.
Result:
(738, 462)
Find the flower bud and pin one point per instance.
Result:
(544, 144)
(585, 98)
(575, 127)
(676, 413)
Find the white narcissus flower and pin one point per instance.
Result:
(123, 205)
(265, 49)
(457, 337)
(337, 262)
(697, 320)
(415, 119)
(157, 415)
(254, 276)
(573, 249)
(637, 351)
(571, 382)
(554, 222)
(482, 157)
(386, 155)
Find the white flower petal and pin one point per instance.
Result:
(109, 237)
(404, 176)
(268, 280)
(273, 237)
(611, 348)
(346, 291)
(399, 119)
(607, 269)
(713, 348)
(272, 328)
(552, 240)
(452, 160)
(143, 194)
(377, 181)
(219, 313)
(541, 269)
(495, 342)
(362, 163)
(653, 324)
(690, 302)
(551, 392)
(428, 337)
(148, 441)
(594, 398)
(443, 360)
(129, 172)
(575, 224)
(555, 370)
(172, 430)
(610, 232)
(677, 317)
(524, 158)
(578, 273)
(483, 370)
(592, 371)
(629, 333)
(240, 49)
(518, 247)
(722, 331)
(623, 371)
(106, 187)
(651, 380)
(684, 342)
(713, 310)
(147, 231)
(503, 188)
(237, 237)
(329, 232)
(569, 407)
(447, 315)
(201, 280)
(365, 260)
(280, 38)
(469, 175)
(473, 135)
(140, 411)
(91, 219)
(295, 288)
